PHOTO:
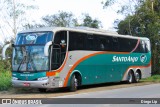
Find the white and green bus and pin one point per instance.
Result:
(70, 57)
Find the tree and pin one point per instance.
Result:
(34, 25)
(13, 14)
(62, 19)
(89, 22)
(145, 21)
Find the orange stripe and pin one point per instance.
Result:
(82, 59)
(52, 73)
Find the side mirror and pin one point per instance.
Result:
(4, 51)
(46, 47)
(13, 45)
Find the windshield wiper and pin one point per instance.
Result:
(24, 57)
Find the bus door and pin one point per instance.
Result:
(59, 49)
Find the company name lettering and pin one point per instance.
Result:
(27, 75)
(124, 59)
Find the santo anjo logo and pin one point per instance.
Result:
(143, 58)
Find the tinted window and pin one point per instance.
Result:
(115, 46)
(104, 43)
(126, 45)
(76, 41)
(142, 47)
(90, 42)
(82, 41)
(147, 43)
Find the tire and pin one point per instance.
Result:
(73, 83)
(42, 90)
(130, 77)
(137, 77)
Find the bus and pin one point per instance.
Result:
(57, 57)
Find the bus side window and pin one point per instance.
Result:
(124, 45)
(108, 43)
(147, 46)
(141, 47)
(80, 42)
(127, 45)
(102, 43)
(115, 46)
(90, 42)
(76, 41)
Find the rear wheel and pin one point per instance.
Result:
(73, 83)
(130, 77)
(137, 77)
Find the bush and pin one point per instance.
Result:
(5, 65)
(5, 80)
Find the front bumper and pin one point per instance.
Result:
(31, 84)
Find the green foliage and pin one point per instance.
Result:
(108, 3)
(5, 72)
(143, 21)
(62, 19)
(89, 22)
(66, 19)
(126, 7)
(5, 65)
(5, 80)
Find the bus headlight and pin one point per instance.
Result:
(42, 78)
(14, 78)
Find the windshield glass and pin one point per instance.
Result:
(33, 38)
(30, 58)
(28, 53)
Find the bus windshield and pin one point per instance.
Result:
(33, 38)
(28, 53)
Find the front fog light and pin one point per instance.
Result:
(42, 78)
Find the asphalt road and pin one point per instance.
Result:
(146, 91)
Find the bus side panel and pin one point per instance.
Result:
(109, 67)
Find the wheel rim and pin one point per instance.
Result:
(130, 77)
(75, 83)
(137, 76)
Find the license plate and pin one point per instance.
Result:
(26, 84)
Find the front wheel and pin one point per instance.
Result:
(73, 83)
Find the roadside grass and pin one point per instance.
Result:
(5, 80)
(154, 78)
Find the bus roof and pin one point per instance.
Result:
(83, 29)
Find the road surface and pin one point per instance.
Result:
(146, 91)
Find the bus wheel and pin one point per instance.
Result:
(130, 77)
(73, 83)
(137, 76)
(42, 90)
